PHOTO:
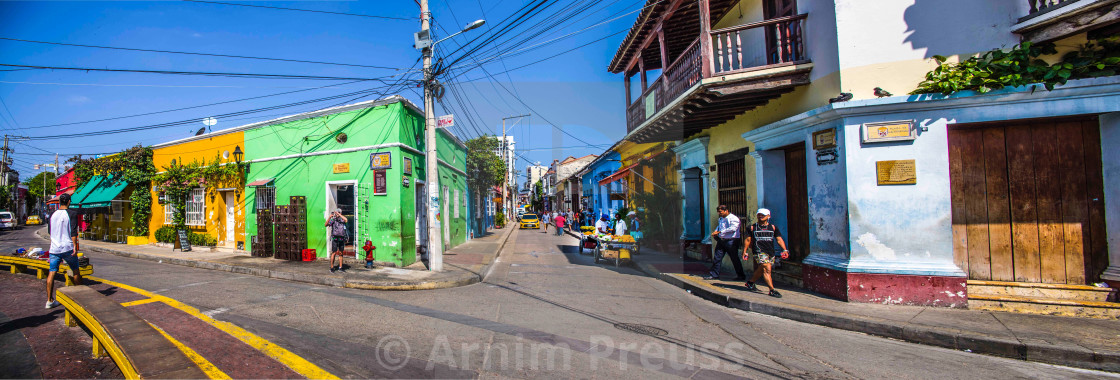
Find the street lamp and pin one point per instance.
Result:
(238, 155)
(435, 241)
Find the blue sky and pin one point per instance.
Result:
(572, 90)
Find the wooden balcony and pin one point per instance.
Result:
(720, 75)
(1050, 20)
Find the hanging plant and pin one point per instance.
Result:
(1020, 66)
(134, 166)
(177, 180)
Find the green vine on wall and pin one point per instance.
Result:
(1021, 65)
(177, 180)
(134, 166)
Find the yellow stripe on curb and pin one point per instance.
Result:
(280, 354)
(139, 302)
(211, 371)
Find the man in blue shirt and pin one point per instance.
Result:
(726, 238)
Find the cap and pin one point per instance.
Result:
(764, 211)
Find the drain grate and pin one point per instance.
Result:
(281, 314)
(641, 329)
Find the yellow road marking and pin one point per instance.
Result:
(139, 302)
(282, 355)
(211, 371)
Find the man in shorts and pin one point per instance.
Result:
(63, 229)
(337, 224)
(763, 239)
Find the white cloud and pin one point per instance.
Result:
(78, 99)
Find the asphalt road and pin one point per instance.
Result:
(543, 311)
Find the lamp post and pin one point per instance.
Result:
(424, 42)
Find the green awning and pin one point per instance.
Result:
(103, 193)
(84, 190)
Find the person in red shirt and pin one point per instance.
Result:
(559, 222)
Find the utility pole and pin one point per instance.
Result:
(4, 169)
(431, 161)
(509, 164)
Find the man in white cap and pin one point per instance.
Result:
(760, 240)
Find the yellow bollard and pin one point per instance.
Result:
(40, 273)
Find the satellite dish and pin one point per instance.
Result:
(210, 122)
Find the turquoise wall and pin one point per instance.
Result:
(388, 220)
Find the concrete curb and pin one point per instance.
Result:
(1073, 356)
(485, 272)
(463, 280)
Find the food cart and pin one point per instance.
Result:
(587, 240)
(616, 248)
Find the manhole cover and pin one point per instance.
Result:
(641, 329)
(281, 314)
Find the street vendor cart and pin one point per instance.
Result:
(616, 248)
(587, 241)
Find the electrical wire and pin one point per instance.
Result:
(303, 10)
(197, 73)
(197, 53)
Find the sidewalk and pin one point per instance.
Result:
(463, 265)
(1076, 342)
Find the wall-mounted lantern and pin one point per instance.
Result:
(238, 155)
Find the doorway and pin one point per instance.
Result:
(1028, 201)
(693, 212)
(341, 195)
(421, 221)
(797, 203)
(230, 237)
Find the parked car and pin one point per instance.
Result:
(530, 221)
(33, 220)
(7, 220)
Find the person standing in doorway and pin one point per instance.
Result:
(763, 240)
(727, 240)
(63, 229)
(337, 224)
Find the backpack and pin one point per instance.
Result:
(339, 226)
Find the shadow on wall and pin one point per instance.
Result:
(950, 27)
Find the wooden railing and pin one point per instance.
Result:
(1038, 6)
(735, 49)
(781, 40)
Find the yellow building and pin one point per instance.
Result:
(217, 209)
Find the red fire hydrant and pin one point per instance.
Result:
(369, 253)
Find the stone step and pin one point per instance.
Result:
(1037, 290)
(1045, 306)
(789, 273)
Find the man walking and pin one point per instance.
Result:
(727, 240)
(761, 237)
(63, 229)
(337, 224)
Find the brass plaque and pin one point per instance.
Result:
(889, 131)
(897, 172)
(342, 168)
(824, 139)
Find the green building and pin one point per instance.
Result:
(366, 159)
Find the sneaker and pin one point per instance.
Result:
(751, 287)
(52, 304)
(333, 269)
(775, 294)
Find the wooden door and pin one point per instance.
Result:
(1028, 201)
(797, 203)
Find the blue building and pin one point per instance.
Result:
(599, 199)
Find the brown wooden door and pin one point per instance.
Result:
(797, 204)
(1028, 201)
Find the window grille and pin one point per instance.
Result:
(118, 211)
(168, 209)
(196, 207)
(266, 197)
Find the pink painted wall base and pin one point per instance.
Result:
(892, 289)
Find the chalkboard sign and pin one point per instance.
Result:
(184, 241)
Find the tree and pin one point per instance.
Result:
(485, 168)
(35, 189)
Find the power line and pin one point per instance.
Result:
(303, 10)
(196, 53)
(200, 73)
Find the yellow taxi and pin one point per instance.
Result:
(33, 220)
(530, 221)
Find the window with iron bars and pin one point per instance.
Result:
(196, 207)
(266, 197)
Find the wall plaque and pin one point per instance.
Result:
(406, 165)
(889, 131)
(380, 186)
(342, 168)
(824, 138)
(896, 172)
(381, 160)
(827, 156)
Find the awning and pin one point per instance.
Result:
(260, 182)
(103, 193)
(618, 175)
(84, 190)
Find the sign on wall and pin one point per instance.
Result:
(889, 131)
(824, 139)
(445, 121)
(380, 160)
(406, 165)
(342, 168)
(380, 186)
(896, 172)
